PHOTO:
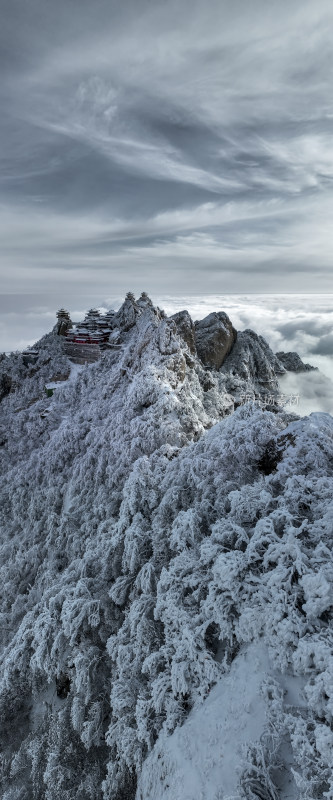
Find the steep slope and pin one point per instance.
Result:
(148, 535)
(205, 756)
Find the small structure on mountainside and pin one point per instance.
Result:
(29, 357)
(130, 296)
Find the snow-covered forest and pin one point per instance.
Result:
(166, 571)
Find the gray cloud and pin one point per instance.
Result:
(324, 346)
(313, 390)
(311, 326)
(147, 142)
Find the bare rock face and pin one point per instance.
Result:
(185, 329)
(293, 362)
(214, 338)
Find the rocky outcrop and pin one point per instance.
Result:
(64, 322)
(128, 313)
(215, 336)
(185, 329)
(253, 361)
(144, 300)
(293, 362)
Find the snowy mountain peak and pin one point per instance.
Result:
(157, 534)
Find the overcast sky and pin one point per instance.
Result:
(175, 147)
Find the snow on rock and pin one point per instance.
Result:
(252, 360)
(127, 315)
(293, 363)
(186, 329)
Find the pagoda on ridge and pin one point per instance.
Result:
(64, 322)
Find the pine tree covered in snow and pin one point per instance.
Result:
(152, 534)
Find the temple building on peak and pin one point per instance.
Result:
(85, 341)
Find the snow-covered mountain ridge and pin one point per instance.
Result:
(155, 530)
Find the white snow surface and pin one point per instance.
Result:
(203, 759)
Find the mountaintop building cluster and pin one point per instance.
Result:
(84, 341)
